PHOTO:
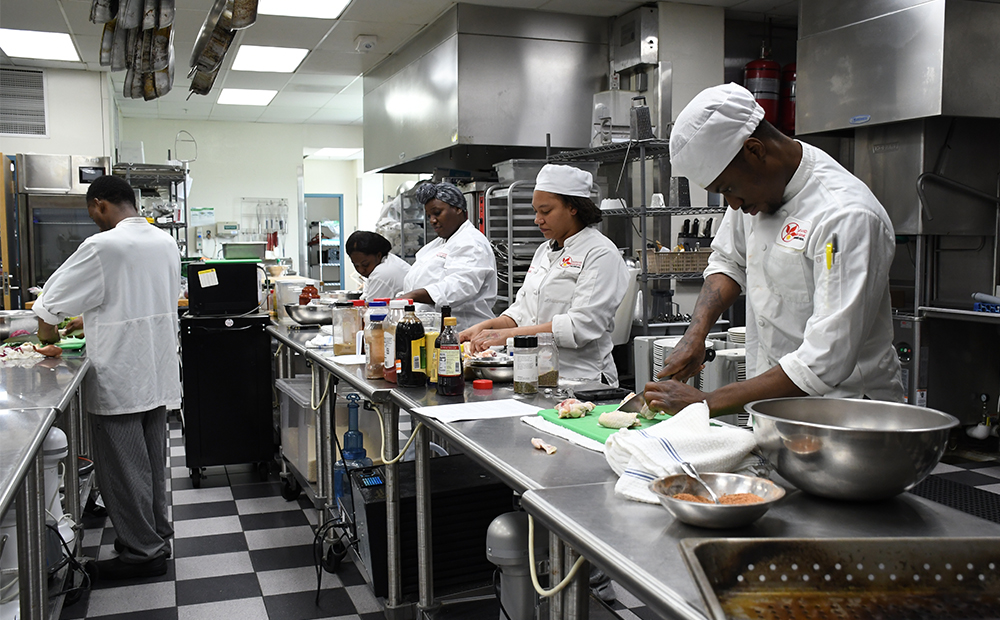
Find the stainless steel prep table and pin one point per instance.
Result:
(637, 544)
(32, 396)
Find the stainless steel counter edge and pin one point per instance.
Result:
(72, 387)
(642, 584)
(497, 466)
(8, 488)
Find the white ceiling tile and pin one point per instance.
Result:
(396, 11)
(603, 8)
(281, 31)
(252, 79)
(184, 109)
(89, 49)
(334, 116)
(338, 63)
(390, 36)
(295, 99)
(334, 83)
(41, 15)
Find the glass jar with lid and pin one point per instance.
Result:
(525, 365)
(548, 361)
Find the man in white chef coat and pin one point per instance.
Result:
(809, 245)
(125, 282)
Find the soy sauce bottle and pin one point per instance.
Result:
(411, 351)
(451, 381)
(436, 356)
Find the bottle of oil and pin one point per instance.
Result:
(451, 381)
(411, 350)
(389, 338)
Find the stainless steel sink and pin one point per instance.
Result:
(856, 578)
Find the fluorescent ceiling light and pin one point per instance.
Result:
(337, 153)
(246, 96)
(38, 45)
(318, 9)
(273, 59)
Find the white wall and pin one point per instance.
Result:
(78, 117)
(692, 38)
(253, 160)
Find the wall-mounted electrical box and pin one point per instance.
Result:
(227, 229)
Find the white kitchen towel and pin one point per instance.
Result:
(641, 456)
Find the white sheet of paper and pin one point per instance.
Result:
(483, 410)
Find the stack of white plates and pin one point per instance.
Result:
(738, 335)
(662, 349)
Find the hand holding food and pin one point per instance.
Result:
(488, 338)
(618, 419)
(74, 327)
(671, 396)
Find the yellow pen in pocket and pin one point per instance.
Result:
(829, 255)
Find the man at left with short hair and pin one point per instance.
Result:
(125, 282)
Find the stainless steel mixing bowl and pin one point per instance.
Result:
(310, 315)
(717, 516)
(850, 449)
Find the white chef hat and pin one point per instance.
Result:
(710, 131)
(565, 180)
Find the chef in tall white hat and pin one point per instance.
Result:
(575, 283)
(806, 242)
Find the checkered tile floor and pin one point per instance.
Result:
(242, 552)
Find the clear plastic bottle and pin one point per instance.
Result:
(396, 308)
(450, 380)
(346, 325)
(548, 361)
(525, 365)
(374, 347)
(411, 350)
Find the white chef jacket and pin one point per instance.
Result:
(579, 288)
(460, 272)
(386, 279)
(830, 329)
(125, 283)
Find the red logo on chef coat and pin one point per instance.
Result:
(793, 234)
(569, 262)
(442, 255)
(793, 231)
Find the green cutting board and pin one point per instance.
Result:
(588, 426)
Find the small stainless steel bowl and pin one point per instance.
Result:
(497, 374)
(850, 449)
(310, 315)
(716, 516)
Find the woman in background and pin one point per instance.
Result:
(370, 253)
(457, 269)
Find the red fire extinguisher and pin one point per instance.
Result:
(762, 77)
(787, 119)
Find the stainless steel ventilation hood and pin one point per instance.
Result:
(868, 62)
(482, 85)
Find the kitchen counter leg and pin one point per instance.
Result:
(327, 430)
(425, 564)
(30, 551)
(71, 424)
(395, 609)
(576, 596)
(556, 573)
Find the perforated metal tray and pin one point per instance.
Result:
(847, 578)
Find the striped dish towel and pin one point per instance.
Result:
(641, 456)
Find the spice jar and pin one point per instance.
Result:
(548, 361)
(525, 365)
(346, 325)
(374, 345)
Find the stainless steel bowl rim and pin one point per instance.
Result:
(950, 421)
(780, 490)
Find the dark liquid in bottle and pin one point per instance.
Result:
(451, 379)
(411, 352)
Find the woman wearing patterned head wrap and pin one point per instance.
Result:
(457, 269)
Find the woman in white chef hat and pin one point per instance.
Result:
(575, 283)
(457, 269)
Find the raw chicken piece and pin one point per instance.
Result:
(618, 419)
(573, 408)
(541, 445)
